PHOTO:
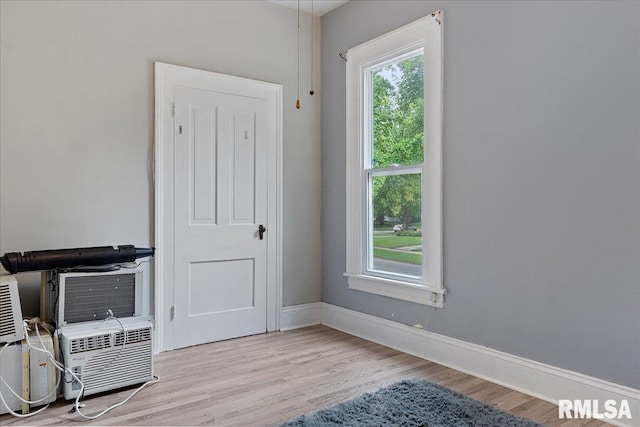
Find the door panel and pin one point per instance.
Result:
(203, 161)
(243, 167)
(220, 199)
(238, 287)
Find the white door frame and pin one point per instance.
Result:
(166, 77)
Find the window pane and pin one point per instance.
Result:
(398, 113)
(396, 229)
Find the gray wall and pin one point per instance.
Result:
(541, 178)
(77, 120)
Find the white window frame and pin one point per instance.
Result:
(426, 35)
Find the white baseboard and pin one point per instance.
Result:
(300, 316)
(536, 379)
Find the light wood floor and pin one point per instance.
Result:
(270, 378)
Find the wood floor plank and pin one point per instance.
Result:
(270, 378)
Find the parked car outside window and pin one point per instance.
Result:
(400, 227)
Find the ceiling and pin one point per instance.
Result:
(320, 7)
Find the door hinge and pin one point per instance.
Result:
(174, 109)
(172, 312)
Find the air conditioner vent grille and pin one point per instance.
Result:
(133, 365)
(89, 298)
(7, 324)
(134, 336)
(96, 342)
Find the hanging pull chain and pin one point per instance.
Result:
(311, 92)
(298, 99)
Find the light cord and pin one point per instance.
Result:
(311, 92)
(298, 38)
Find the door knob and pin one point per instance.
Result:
(261, 231)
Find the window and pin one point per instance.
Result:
(394, 164)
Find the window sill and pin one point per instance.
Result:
(398, 289)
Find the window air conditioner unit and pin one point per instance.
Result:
(95, 353)
(11, 373)
(68, 298)
(40, 385)
(42, 373)
(11, 329)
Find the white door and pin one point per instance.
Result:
(218, 266)
(220, 206)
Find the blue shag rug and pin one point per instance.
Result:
(412, 403)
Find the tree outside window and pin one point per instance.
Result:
(397, 142)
